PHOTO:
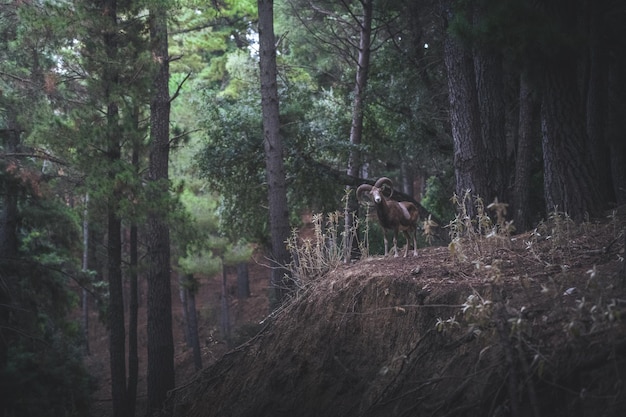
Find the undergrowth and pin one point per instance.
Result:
(332, 243)
(475, 240)
(577, 307)
(473, 233)
(324, 251)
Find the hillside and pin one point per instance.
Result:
(528, 326)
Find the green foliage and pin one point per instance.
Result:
(436, 197)
(45, 375)
(314, 88)
(200, 246)
(50, 233)
(205, 33)
(54, 90)
(232, 162)
(313, 127)
(403, 122)
(526, 33)
(234, 165)
(200, 263)
(242, 73)
(309, 41)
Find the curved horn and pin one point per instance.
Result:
(384, 182)
(363, 188)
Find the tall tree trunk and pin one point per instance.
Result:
(225, 316)
(160, 339)
(243, 281)
(8, 222)
(407, 179)
(280, 282)
(490, 89)
(569, 172)
(616, 131)
(469, 164)
(188, 289)
(194, 338)
(133, 351)
(570, 176)
(528, 135)
(568, 169)
(184, 301)
(10, 139)
(356, 126)
(597, 102)
(117, 329)
(85, 268)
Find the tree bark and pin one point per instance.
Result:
(243, 281)
(133, 351)
(8, 250)
(597, 102)
(490, 89)
(469, 164)
(568, 169)
(8, 222)
(617, 127)
(85, 268)
(225, 316)
(616, 122)
(356, 126)
(280, 282)
(184, 300)
(528, 135)
(117, 327)
(188, 289)
(194, 338)
(570, 177)
(160, 339)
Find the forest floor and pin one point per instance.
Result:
(524, 326)
(245, 317)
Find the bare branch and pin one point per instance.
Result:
(180, 86)
(182, 135)
(15, 77)
(36, 153)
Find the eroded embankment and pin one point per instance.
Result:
(428, 336)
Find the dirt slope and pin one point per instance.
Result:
(524, 327)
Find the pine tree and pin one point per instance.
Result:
(160, 338)
(39, 233)
(277, 191)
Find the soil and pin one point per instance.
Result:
(529, 325)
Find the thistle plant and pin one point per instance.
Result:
(324, 250)
(429, 226)
(469, 230)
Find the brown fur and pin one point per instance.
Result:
(392, 215)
